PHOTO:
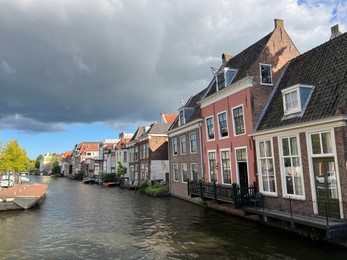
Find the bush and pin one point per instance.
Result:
(79, 175)
(150, 190)
(144, 186)
(108, 177)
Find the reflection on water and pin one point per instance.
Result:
(78, 221)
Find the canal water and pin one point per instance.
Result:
(79, 221)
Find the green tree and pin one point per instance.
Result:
(121, 170)
(56, 169)
(13, 158)
(37, 162)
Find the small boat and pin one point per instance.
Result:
(22, 196)
(110, 184)
(88, 180)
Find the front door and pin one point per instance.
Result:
(326, 187)
(243, 174)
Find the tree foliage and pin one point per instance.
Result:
(13, 158)
(37, 162)
(121, 170)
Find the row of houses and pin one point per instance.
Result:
(270, 117)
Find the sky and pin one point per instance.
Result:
(87, 70)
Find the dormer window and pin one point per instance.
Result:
(182, 118)
(295, 100)
(224, 77)
(265, 74)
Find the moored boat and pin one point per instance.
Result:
(111, 184)
(22, 196)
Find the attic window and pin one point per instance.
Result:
(265, 74)
(295, 99)
(224, 77)
(181, 118)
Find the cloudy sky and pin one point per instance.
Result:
(85, 70)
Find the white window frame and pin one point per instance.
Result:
(221, 166)
(174, 140)
(190, 143)
(184, 166)
(283, 172)
(209, 165)
(288, 91)
(244, 121)
(219, 130)
(260, 175)
(214, 132)
(261, 76)
(181, 118)
(191, 171)
(181, 146)
(175, 174)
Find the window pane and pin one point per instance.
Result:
(293, 146)
(285, 146)
(210, 129)
(268, 149)
(261, 149)
(266, 74)
(298, 185)
(316, 149)
(229, 76)
(326, 143)
(289, 184)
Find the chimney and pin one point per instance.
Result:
(279, 23)
(226, 57)
(335, 31)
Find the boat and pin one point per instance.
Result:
(88, 180)
(111, 184)
(22, 196)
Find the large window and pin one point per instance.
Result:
(295, 100)
(225, 77)
(212, 166)
(223, 125)
(266, 167)
(291, 102)
(183, 144)
(175, 172)
(181, 118)
(265, 74)
(194, 171)
(184, 172)
(291, 166)
(226, 171)
(192, 138)
(239, 125)
(210, 128)
(321, 143)
(174, 146)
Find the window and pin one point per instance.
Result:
(184, 172)
(212, 166)
(174, 146)
(125, 158)
(291, 166)
(225, 158)
(321, 143)
(239, 126)
(223, 125)
(225, 77)
(135, 154)
(194, 171)
(295, 99)
(192, 138)
(266, 167)
(265, 74)
(181, 118)
(183, 144)
(210, 128)
(175, 172)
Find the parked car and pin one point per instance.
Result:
(7, 181)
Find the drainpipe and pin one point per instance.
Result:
(201, 150)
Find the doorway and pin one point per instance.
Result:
(241, 157)
(326, 187)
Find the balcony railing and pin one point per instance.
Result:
(235, 194)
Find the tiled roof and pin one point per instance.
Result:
(325, 68)
(139, 132)
(244, 61)
(67, 154)
(159, 128)
(169, 118)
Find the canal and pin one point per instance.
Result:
(78, 221)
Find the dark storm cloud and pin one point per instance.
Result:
(118, 62)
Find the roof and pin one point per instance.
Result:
(158, 128)
(139, 132)
(89, 147)
(244, 61)
(325, 68)
(169, 118)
